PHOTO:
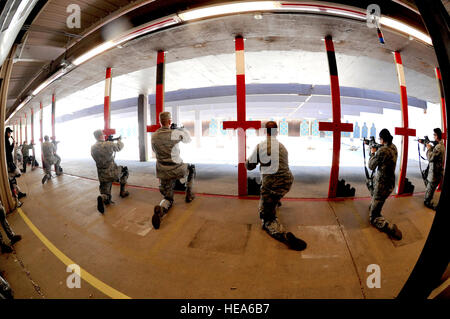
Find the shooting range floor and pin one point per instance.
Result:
(211, 248)
(309, 182)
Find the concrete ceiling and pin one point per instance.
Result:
(280, 48)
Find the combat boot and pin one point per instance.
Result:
(5, 248)
(392, 231)
(189, 196)
(21, 195)
(428, 205)
(158, 212)
(123, 192)
(294, 242)
(58, 170)
(100, 205)
(15, 239)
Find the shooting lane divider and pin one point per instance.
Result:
(160, 81)
(26, 124)
(20, 128)
(32, 135)
(337, 127)
(241, 125)
(443, 111)
(107, 105)
(41, 130)
(53, 117)
(404, 131)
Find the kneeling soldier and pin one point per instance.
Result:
(277, 180)
(108, 171)
(169, 165)
(384, 161)
(435, 156)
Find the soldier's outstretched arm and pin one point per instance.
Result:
(253, 160)
(117, 145)
(185, 136)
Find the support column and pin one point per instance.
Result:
(32, 133)
(20, 129)
(32, 125)
(142, 126)
(160, 77)
(198, 128)
(404, 131)
(106, 109)
(53, 117)
(337, 127)
(241, 125)
(443, 111)
(26, 127)
(5, 75)
(41, 130)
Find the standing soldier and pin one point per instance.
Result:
(49, 152)
(17, 155)
(277, 180)
(26, 155)
(103, 153)
(384, 161)
(169, 165)
(435, 155)
(9, 147)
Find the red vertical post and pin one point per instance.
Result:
(336, 126)
(53, 117)
(241, 125)
(443, 111)
(20, 128)
(26, 128)
(404, 131)
(41, 130)
(32, 125)
(160, 80)
(107, 104)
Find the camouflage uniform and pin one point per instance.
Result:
(435, 157)
(26, 155)
(108, 172)
(18, 158)
(277, 180)
(169, 165)
(384, 160)
(5, 224)
(50, 157)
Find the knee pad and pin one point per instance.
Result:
(166, 204)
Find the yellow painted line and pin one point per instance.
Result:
(439, 289)
(98, 284)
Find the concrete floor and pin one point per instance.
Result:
(309, 182)
(211, 248)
